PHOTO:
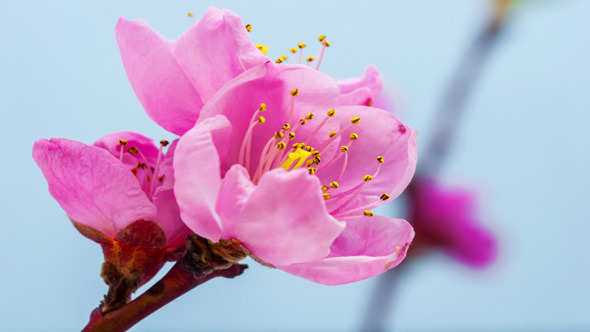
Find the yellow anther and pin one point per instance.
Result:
(332, 133)
(249, 27)
(307, 148)
(133, 150)
(278, 134)
(311, 170)
(262, 107)
(261, 119)
(353, 136)
(286, 127)
(368, 213)
(316, 153)
(295, 92)
(284, 57)
(326, 43)
(344, 148)
(298, 155)
(301, 45)
(281, 146)
(279, 60)
(334, 184)
(324, 188)
(317, 160)
(310, 59)
(122, 142)
(190, 15)
(293, 50)
(321, 37)
(331, 113)
(367, 178)
(309, 163)
(309, 116)
(292, 135)
(326, 196)
(296, 145)
(302, 121)
(384, 197)
(262, 48)
(380, 159)
(164, 142)
(355, 120)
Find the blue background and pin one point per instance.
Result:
(523, 143)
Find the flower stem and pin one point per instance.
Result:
(175, 283)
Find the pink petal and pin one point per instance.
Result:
(270, 84)
(92, 186)
(215, 50)
(144, 144)
(236, 188)
(367, 247)
(285, 220)
(168, 213)
(361, 91)
(159, 82)
(379, 134)
(197, 168)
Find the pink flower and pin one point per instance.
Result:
(118, 193)
(446, 218)
(277, 165)
(361, 91)
(173, 79)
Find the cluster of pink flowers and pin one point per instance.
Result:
(279, 158)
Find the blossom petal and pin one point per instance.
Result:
(270, 84)
(92, 186)
(379, 134)
(197, 170)
(215, 50)
(285, 220)
(168, 213)
(159, 82)
(366, 247)
(236, 188)
(360, 91)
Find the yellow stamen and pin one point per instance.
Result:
(321, 37)
(309, 116)
(286, 127)
(281, 146)
(384, 197)
(334, 184)
(301, 45)
(164, 142)
(284, 57)
(326, 196)
(261, 119)
(331, 113)
(380, 159)
(332, 133)
(122, 142)
(353, 136)
(248, 27)
(279, 60)
(344, 148)
(298, 155)
(368, 213)
(262, 107)
(262, 48)
(293, 50)
(311, 170)
(355, 120)
(326, 43)
(295, 92)
(190, 15)
(133, 150)
(310, 59)
(278, 134)
(367, 178)
(292, 135)
(324, 188)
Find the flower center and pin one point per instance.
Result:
(146, 172)
(279, 151)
